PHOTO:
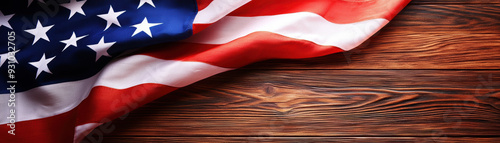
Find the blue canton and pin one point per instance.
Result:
(67, 40)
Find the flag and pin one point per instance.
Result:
(70, 65)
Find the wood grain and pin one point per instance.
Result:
(413, 2)
(420, 37)
(425, 103)
(300, 139)
(447, 19)
(431, 75)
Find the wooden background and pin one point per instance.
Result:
(431, 75)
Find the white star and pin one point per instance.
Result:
(150, 2)
(72, 41)
(111, 17)
(39, 32)
(31, 1)
(144, 27)
(101, 48)
(74, 6)
(41, 65)
(4, 20)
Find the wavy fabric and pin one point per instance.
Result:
(205, 38)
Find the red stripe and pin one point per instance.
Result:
(199, 27)
(252, 48)
(106, 104)
(55, 129)
(336, 11)
(103, 104)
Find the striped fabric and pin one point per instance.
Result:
(227, 34)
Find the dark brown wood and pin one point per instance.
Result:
(420, 37)
(453, 1)
(300, 139)
(446, 19)
(446, 89)
(402, 103)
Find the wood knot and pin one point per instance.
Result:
(269, 89)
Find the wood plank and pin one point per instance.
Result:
(447, 19)
(325, 103)
(421, 37)
(453, 1)
(298, 139)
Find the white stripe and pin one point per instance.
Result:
(48, 100)
(140, 69)
(54, 99)
(302, 25)
(216, 10)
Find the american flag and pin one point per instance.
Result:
(70, 65)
